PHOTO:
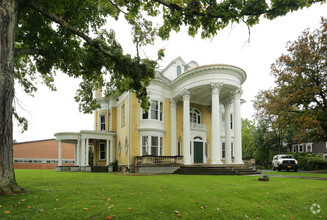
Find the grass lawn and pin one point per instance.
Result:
(77, 195)
(292, 173)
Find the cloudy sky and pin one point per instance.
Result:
(50, 112)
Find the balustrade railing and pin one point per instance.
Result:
(150, 160)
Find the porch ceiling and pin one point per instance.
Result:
(202, 94)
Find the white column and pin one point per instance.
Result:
(112, 150)
(173, 127)
(78, 154)
(75, 155)
(228, 142)
(215, 124)
(238, 127)
(107, 153)
(87, 153)
(59, 154)
(83, 152)
(186, 127)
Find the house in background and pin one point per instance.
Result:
(311, 147)
(42, 154)
(194, 119)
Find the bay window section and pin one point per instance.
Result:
(152, 145)
(155, 110)
(144, 145)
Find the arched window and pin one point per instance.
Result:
(179, 70)
(195, 116)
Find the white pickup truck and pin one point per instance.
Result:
(284, 162)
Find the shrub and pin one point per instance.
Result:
(310, 161)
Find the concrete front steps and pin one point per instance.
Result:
(216, 170)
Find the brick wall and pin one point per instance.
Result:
(42, 149)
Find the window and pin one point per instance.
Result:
(195, 116)
(294, 148)
(154, 146)
(156, 111)
(102, 123)
(231, 121)
(232, 149)
(223, 153)
(179, 70)
(123, 115)
(309, 148)
(144, 145)
(161, 146)
(301, 148)
(102, 153)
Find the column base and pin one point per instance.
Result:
(238, 162)
(187, 161)
(216, 162)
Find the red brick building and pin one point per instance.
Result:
(42, 154)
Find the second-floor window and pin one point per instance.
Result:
(156, 111)
(102, 123)
(195, 116)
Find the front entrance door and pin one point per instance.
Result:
(198, 152)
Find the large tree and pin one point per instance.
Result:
(300, 97)
(38, 37)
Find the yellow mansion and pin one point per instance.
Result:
(194, 118)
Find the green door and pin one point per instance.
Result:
(198, 152)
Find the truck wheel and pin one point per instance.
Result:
(288, 170)
(295, 170)
(278, 169)
(274, 168)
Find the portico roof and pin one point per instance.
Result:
(74, 137)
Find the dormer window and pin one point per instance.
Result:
(179, 70)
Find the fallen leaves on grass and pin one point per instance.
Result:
(86, 209)
(7, 212)
(108, 218)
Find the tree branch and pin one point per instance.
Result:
(70, 28)
(27, 51)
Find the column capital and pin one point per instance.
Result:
(227, 102)
(215, 87)
(186, 94)
(173, 102)
(237, 93)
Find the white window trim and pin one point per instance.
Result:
(311, 147)
(103, 151)
(100, 129)
(149, 144)
(160, 103)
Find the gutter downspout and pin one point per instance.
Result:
(129, 130)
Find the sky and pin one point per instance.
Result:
(51, 112)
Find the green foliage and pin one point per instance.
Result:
(266, 145)
(310, 161)
(300, 96)
(248, 129)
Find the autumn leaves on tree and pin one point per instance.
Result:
(299, 100)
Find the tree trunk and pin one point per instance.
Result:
(8, 23)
